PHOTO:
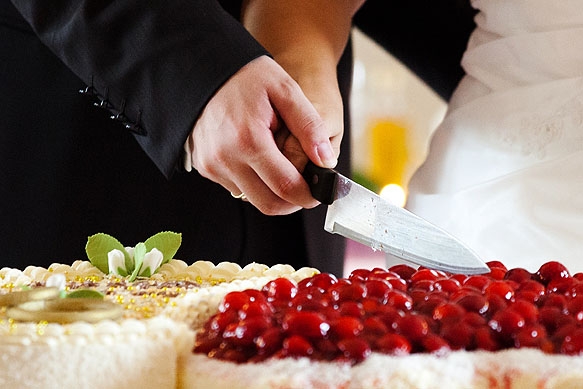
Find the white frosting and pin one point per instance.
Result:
(512, 369)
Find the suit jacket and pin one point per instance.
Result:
(67, 170)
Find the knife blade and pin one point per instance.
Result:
(363, 216)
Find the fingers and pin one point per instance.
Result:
(304, 122)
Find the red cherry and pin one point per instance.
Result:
(484, 339)
(561, 285)
(448, 313)
(393, 344)
(449, 285)
(461, 278)
(234, 301)
(473, 303)
(325, 349)
(413, 327)
(354, 349)
(428, 306)
(474, 319)
(354, 291)
(500, 288)
(297, 346)
(359, 275)
(378, 289)
(346, 327)
(269, 341)
(389, 315)
(458, 336)
(575, 308)
(532, 286)
(426, 274)
(425, 286)
(479, 282)
(530, 335)
(555, 300)
(374, 326)
(322, 281)
(232, 355)
(204, 343)
(435, 344)
(550, 317)
(495, 304)
(280, 290)
(506, 323)
(518, 274)
(351, 308)
(527, 310)
(404, 271)
(496, 265)
(305, 323)
(550, 271)
(573, 343)
(255, 308)
(497, 273)
(310, 298)
(219, 322)
(400, 300)
(398, 283)
(244, 332)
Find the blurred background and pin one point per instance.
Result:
(393, 116)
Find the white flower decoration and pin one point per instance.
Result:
(116, 263)
(152, 261)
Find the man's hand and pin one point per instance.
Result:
(237, 141)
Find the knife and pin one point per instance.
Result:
(363, 216)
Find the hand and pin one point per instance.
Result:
(233, 142)
(307, 38)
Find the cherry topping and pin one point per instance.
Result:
(399, 311)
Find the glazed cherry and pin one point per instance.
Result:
(354, 349)
(346, 327)
(518, 274)
(297, 346)
(393, 344)
(573, 343)
(413, 327)
(305, 323)
(280, 290)
(506, 323)
(552, 271)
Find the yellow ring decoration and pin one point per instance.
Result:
(23, 296)
(66, 310)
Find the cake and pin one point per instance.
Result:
(143, 339)
(147, 320)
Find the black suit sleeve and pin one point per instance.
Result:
(153, 64)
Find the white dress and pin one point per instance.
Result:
(505, 168)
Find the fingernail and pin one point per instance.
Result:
(326, 155)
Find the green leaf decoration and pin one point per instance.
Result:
(139, 253)
(146, 272)
(85, 293)
(167, 242)
(122, 272)
(98, 246)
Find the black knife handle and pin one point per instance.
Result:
(322, 182)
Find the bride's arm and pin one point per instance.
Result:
(307, 38)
